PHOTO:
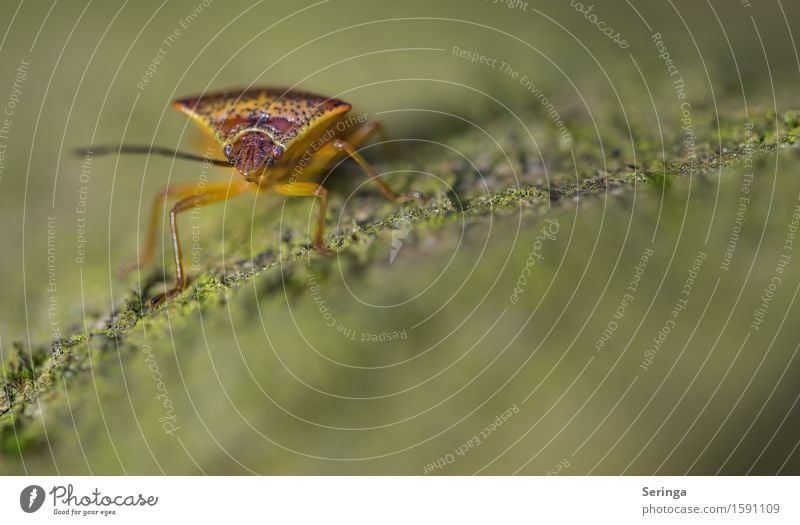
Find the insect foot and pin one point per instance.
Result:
(412, 196)
(159, 299)
(323, 250)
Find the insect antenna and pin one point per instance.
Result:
(144, 150)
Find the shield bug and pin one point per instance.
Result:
(277, 139)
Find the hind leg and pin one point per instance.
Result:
(347, 145)
(369, 171)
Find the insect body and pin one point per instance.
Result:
(278, 140)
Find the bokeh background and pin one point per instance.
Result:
(434, 364)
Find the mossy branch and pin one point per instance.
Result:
(29, 374)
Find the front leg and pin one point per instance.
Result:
(310, 189)
(176, 191)
(221, 192)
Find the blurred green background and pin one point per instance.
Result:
(428, 352)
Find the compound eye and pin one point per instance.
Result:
(227, 151)
(277, 152)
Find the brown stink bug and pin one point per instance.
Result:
(265, 134)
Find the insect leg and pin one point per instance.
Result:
(363, 132)
(177, 191)
(310, 189)
(370, 173)
(216, 192)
